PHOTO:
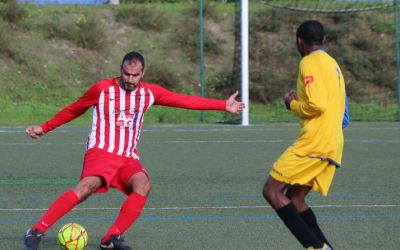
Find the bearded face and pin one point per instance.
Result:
(131, 74)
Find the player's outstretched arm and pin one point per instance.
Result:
(34, 131)
(234, 106)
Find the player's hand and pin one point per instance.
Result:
(288, 98)
(34, 131)
(234, 106)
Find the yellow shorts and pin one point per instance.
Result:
(302, 170)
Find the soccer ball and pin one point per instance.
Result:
(72, 236)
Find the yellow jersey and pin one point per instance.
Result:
(320, 106)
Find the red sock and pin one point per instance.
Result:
(128, 214)
(60, 207)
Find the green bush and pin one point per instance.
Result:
(266, 20)
(381, 25)
(221, 85)
(8, 45)
(142, 16)
(5, 41)
(187, 37)
(90, 33)
(81, 29)
(163, 75)
(13, 12)
(210, 10)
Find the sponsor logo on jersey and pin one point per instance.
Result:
(308, 80)
(126, 119)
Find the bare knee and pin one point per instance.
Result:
(273, 193)
(139, 183)
(87, 186)
(268, 193)
(143, 189)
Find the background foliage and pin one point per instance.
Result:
(49, 55)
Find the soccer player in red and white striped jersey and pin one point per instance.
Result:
(112, 159)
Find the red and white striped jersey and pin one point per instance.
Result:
(118, 114)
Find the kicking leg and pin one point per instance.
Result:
(62, 205)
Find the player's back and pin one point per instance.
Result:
(335, 86)
(321, 134)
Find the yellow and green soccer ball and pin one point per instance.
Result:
(72, 236)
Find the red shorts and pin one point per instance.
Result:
(113, 169)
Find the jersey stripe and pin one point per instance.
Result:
(111, 117)
(143, 106)
(126, 111)
(92, 136)
(102, 121)
(131, 126)
(135, 124)
(116, 114)
(97, 126)
(121, 128)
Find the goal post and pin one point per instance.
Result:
(245, 60)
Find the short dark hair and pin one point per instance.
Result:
(312, 32)
(133, 56)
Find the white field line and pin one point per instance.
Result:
(292, 127)
(228, 128)
(213, 207)
(365, 141)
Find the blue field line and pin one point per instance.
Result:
(267, 217)
(36, 199)
(5, 219)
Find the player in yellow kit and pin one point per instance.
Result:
(310, 162)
